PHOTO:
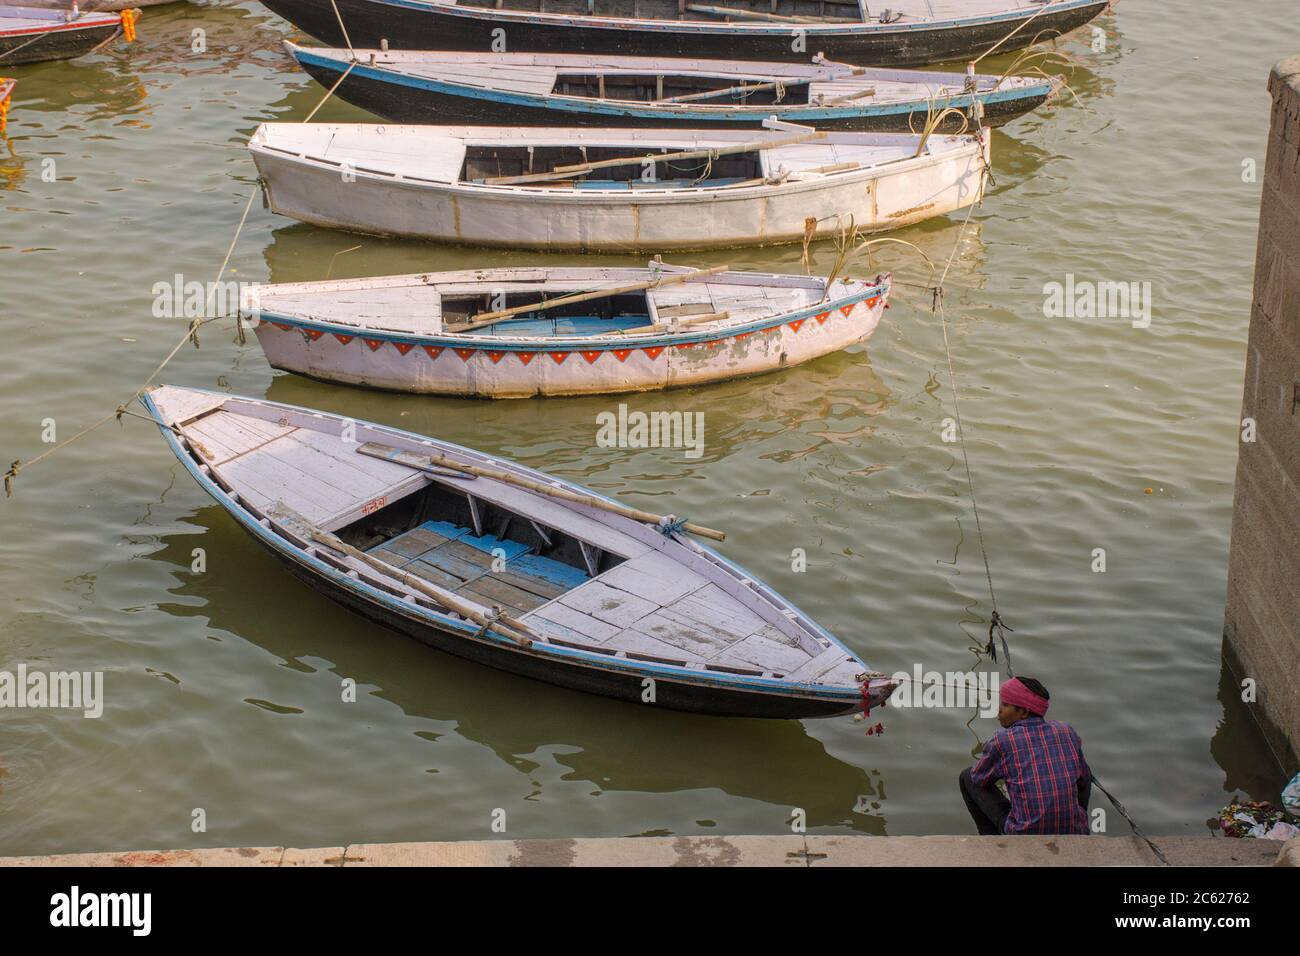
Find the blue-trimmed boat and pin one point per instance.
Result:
(509, 567)
(560, 89)
(902, 33)
(518, 332)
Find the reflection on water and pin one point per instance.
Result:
(224, 689)
(606, 744)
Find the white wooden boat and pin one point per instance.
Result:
(899, 33)
(520, 332)
(625, 190)
(574, 89)
(508, 566)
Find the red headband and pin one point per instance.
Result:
(1018, 695)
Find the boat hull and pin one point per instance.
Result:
(446, 103)
(411, 26)
(61, 43)
(621, 679)
(437, 367)
(877, 199)
(699, 699)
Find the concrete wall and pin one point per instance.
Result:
(1262, 622)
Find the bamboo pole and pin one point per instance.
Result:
(742, 89)
(517, 631)
(850, 97)
(773, 84)
(490, 318)
(757, 15)
(580, 168)
(680, 323)
(412, 460)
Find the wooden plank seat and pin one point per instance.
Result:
(455, 558)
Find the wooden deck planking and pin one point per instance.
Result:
(700, 643)
(655, 577)
(422, 569)
(712, 608)
(492, 590)
(814, 668)
(179, 405)
(637, 642)
(766, 650)
(417, 541)
(531, 583)
(270, 480)
(611, 605)
(340, 473)
(571, 624)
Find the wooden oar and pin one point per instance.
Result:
(742, 89)
(668, 326)
(758, 87)
(516, 630)
(559, 172)
(425, 461)
(758, 15)
(482, 319)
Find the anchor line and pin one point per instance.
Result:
(191, 335)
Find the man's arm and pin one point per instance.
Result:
(988, 768)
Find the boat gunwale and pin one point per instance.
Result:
(971, 145)
(568, 655)
(642, 24)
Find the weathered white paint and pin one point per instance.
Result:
(398, 180)
(321, 339)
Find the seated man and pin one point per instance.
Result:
(1048, 781)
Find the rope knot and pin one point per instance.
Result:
(670, 525)
(10, 475)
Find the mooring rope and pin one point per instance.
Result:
(330, 91)
(29, 42)
(1018, 28)
(348, 41)
(191, 335)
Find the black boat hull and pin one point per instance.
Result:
(370, 22)
(399, 103)
(53, 45)
(714, 701)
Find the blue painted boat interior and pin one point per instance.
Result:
(453, 557)
(537, 324)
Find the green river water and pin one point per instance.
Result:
(223, 688)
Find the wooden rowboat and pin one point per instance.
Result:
(550, 89)
(899, 33)
(507, 566)
(618, 190)
(31, 35)
(556, 331)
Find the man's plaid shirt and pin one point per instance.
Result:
(1042, 762)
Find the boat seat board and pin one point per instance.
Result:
(415, 309)
(568, 325)
(454, 558)
(315, 474)
(653, 606)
